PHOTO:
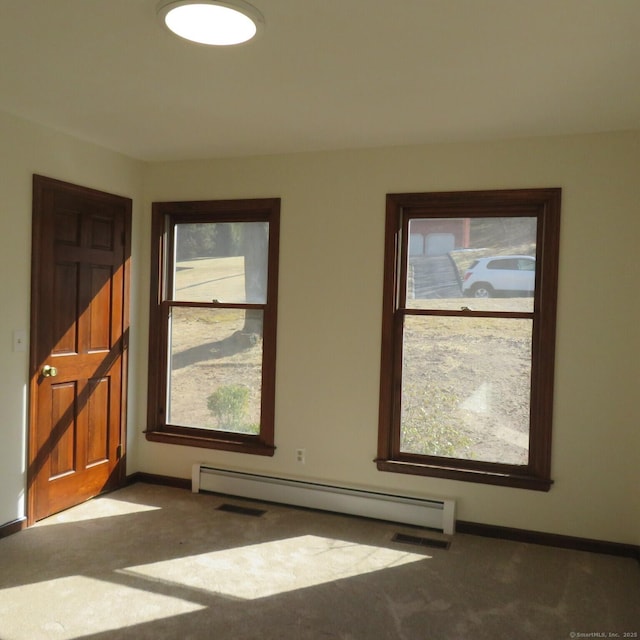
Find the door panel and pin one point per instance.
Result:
(99, 338)
(63, 449)
(79, 327)
(98, 421)
(65, 293)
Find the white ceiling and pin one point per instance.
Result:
(325, 74)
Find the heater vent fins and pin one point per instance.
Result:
(244, 511)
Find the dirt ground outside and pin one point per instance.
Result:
(466, 388)
(210, 353)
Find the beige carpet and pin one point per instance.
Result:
(156, 562)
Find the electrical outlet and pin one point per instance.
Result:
(300, 455)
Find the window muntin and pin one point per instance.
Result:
(467, 371)
(213, 324)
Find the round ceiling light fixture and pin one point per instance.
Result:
(211, 22)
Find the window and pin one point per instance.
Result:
(212, 342)
(468, 337)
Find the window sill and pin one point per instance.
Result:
(501, 478)
(248, 444)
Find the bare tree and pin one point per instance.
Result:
(255, 245)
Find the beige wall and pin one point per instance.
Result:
(330, 302)
(329, 318)
(27, 149)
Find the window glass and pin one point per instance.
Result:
(475, 262)
(214, 370)
(221, 262)
(466, 388)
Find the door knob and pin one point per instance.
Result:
(49, 372)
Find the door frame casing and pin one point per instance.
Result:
(40, 186)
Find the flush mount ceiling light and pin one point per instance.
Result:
(212, 22)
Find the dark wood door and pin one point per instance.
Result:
(79, 330)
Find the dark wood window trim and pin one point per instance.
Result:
(545, 205)
(164, 216)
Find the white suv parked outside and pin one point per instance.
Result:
(500, 276)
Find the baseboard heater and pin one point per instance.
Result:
(423, 512)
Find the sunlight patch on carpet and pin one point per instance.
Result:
(270, 568)
(94, 509)
(78, 606)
